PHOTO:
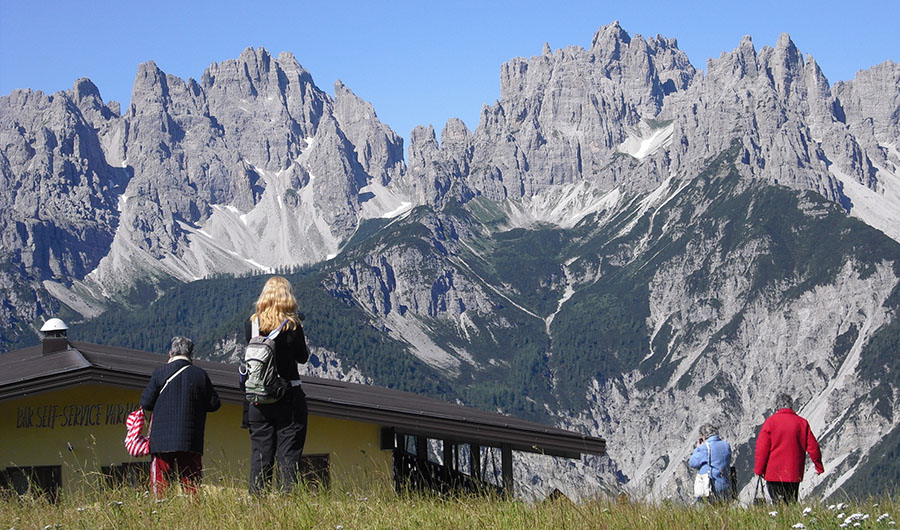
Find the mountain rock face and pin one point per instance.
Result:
(624, 245)
(568, 117)
(252, 167)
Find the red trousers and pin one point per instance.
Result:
(187, 466)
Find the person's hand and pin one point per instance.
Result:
(820, 469)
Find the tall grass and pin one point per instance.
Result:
(230, 507)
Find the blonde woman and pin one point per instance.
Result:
(278, 430)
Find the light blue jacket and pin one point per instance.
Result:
(719, 454)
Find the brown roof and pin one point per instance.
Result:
(29, 371)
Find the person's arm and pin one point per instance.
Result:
(698, 457)
(213, 404)
(298, 346)
(148, 397)
(763, 445)
(812, 447)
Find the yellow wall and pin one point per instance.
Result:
(35, 430)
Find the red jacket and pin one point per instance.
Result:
(783, 440)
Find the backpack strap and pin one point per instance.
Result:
(709, 460)
(277, 330)
(254, 328)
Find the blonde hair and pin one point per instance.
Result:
(276, 302)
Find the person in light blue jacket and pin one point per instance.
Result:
(713, 452)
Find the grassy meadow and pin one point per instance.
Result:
(230, 507)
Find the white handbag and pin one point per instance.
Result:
(703, 481)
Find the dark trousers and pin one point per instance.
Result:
(277, 430)
(783, 492)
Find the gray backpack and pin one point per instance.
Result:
(262, 384)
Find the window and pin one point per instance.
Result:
(314, 470)
(132, 474)
(36, 480)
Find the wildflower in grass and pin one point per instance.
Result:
(841, 506)
(841, 515)
(773, 514)
(801, 526)
(831, 506)
(882, 517)
(115, 503)
(806, 511)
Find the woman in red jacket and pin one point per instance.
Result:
(781, 449)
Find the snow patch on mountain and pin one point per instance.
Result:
(564, 205)
(878, 208)
(646, 140)
(567, 294)
(656, 199)
(303, 237)
(411, 331)
(381, 201)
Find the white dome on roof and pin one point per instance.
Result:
(54, 324)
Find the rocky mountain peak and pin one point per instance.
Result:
(258, 59)
(873, 95)
(423, 135)
(784, 64)
(150, 88)
(609, 39)
(85, 89)
(86, 96)
(741, 62)
(454, 132)
(378, 148)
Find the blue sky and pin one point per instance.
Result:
(418, 63)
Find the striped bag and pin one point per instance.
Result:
(135, 442)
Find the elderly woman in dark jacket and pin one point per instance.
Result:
(179, 395)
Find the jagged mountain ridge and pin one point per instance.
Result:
(697, 302)
(176, 187)
(188, 163)
(564, 116)
(583, 140)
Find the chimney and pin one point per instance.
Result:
(55, 340)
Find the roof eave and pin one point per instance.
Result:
(556, 444)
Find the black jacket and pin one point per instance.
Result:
(179, 413)
(290, 349)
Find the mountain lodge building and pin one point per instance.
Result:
(63, 407)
